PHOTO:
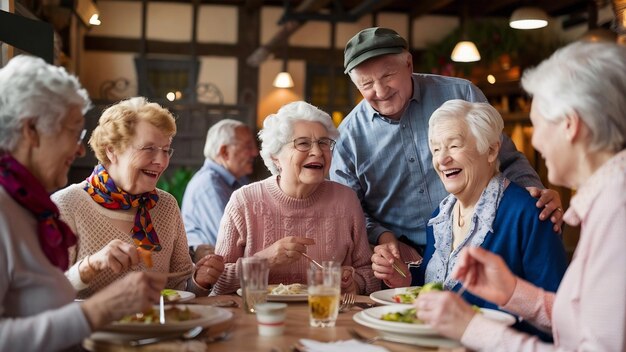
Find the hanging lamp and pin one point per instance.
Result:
(465, 50)
(528, 17)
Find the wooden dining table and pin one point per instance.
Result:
(242, 331)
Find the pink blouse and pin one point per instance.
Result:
(588, 312)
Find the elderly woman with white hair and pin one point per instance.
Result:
(484, 209)
(296, 210)
(41, 133)
(578, 114)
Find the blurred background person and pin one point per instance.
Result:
(230, 151)
(41, 133)
(296, 210)
(118, 211)
(579, 127)
(484, 209)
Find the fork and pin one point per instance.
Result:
(347, 301)
(356, 335)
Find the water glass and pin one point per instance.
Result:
(324, 290)
(253, 279)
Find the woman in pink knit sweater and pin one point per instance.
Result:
(579, 118)
(296, 210)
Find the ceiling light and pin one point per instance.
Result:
(95, 20)
(283, 80)
(88, 12)
(528, 18)
(465, 51)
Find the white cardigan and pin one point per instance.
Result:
(38, 312)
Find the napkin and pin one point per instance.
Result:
(340, 346)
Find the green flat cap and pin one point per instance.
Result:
(370, 43)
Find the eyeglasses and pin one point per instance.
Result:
(304, 144)
(152, 150)
(82, 135)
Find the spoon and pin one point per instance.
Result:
(187, 335)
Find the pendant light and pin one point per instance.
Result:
(283, 78)
(465, 50)
(528, 17)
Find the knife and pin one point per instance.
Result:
(161, 310)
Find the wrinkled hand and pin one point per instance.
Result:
(383, 258)
(445, 311)
(117, 255)
(136, 292)
(202, 251)
(485, 274)
(285, 251)
(208, 270)
(348, 285)
(550, 201)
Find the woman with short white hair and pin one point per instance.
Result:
(579, 118)
(41, 133)
(483, 208)
(296, 210)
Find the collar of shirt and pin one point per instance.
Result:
(224, 174)
(481, 225)
(613, 169)
(415, 97)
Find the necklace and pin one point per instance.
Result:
(460, 218)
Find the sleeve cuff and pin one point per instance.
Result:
(73, 275)
(196, 288)
(482, 334)
(523, 299)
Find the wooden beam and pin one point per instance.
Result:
(288, 28)
(323, 56)
(248, 39)
(424, 7)
(117, 44)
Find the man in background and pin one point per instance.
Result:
(230, 151)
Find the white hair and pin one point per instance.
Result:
(588, 79)
(222, 133)
(31, 89)
(278, 129)
(483, 121)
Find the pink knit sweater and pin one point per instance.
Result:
(259, 214)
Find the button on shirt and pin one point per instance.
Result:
(204, 201)
(389, 165)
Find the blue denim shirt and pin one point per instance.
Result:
(205, 198)
(389, 165)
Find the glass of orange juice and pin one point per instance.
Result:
(324, 287)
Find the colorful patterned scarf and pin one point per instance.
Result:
(103, 191)
(55, 237)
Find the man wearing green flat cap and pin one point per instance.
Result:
(383, 154)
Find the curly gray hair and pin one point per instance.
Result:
(278, 129)
(31, 89)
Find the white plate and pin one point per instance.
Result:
(386, 296)
(300, 297)
(208, 316)
(184, 297)
(372, 317)
(402, 337)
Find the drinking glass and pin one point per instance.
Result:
(324, 290)
(253, 278)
